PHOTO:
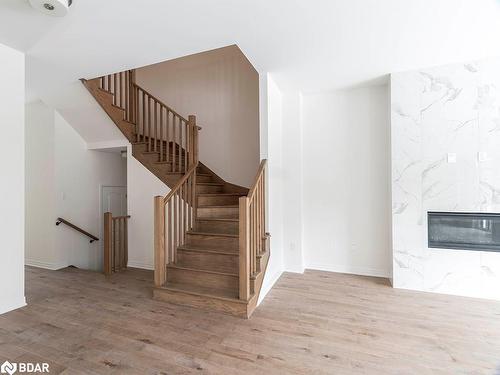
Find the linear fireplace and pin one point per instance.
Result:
(464, 231)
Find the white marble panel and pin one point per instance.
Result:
(436, 111)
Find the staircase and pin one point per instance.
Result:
(211, 248)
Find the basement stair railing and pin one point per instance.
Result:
(115, 231)
(78, 229)
(252, 232)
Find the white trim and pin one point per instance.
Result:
(299, 268)
(107, 144)
(141, 265)
(268, 286)
(12, 306)
(362, 271)
(45, 265)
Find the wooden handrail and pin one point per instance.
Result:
(178, 185)
(159, 101)
(252, 231)
(174, 216)
(92, 237)
(252, 190)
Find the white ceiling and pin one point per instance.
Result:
(309, 45)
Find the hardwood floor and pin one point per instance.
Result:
(316, 323)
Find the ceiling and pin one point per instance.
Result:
(308, 45)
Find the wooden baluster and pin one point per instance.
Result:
(189, 202)
(120, 103)
(122, 235)
(170, 236)
(176, 230)
(149, 124)
(125, 235)
(159, 242)
(143, 115)
(108, 224)
(108, 88)
(244, 254)
(167, 137)
(174, 142)
(155, 125)
(264, 204)
(114, 89)
(161, 133)
(259, 237)
(180, 144)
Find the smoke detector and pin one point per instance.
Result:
(56, 8)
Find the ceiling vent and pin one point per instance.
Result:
(56, 8)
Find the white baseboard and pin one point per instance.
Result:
(45, 265)
(141, 265)
(4, 308)
(362, 271)
(268, 285)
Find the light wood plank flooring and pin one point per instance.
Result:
(316, 323)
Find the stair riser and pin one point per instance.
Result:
(202, 279)
(213, 242)
(231, 227)
(218, 212)
(207, 261)
(218, 200)
(150, 157)
(201, 302)
(208, 189)
(204, 178)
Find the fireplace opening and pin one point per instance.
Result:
(464, 231)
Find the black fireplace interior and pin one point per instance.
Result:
(464, 231)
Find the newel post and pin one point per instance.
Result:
(244, 249)
(159, 242)
(108, 243)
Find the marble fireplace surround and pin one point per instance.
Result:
(445, 140)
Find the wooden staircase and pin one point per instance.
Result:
(211, 248)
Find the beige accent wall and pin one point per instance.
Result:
(221, 88)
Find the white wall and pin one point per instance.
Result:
(40, 186)
(271, 125)
(67, 186)
(142, 187)
(436, 111)
(221, 88)
(292, 160)
(345, 182)
(12, 186)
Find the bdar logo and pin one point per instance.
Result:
(8, 368)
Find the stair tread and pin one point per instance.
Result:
(212, 234)
(202, 249)
(183, 268)
(223, 294)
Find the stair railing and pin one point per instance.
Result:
(162, 129)
(252, 231)
(115, 243)
(174, 216)
(121, 86)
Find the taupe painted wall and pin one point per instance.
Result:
(221, 88)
